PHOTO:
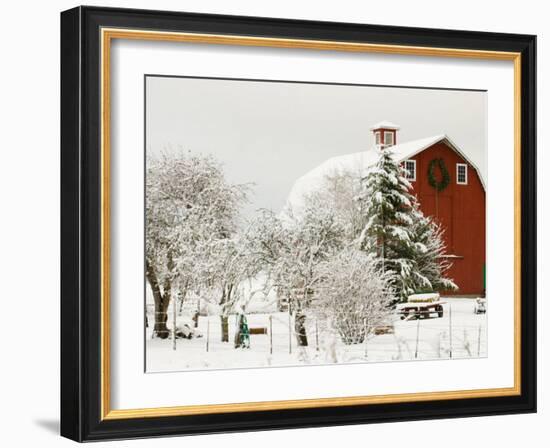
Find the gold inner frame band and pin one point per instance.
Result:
(107, 35)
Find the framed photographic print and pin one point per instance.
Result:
(272, 223)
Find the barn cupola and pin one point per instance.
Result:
(385, 134)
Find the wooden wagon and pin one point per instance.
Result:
(421, 306)
(420, 310)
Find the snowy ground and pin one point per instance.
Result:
(469, 339)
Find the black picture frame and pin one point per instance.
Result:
(81, 224)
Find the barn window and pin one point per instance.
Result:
(410, 168)
(377, 136)
(388, 138)
(462, 174)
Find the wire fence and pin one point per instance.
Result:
(454, 335)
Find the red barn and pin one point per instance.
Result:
(459, 205)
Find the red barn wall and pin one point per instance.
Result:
(461, 211)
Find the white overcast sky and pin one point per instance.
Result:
(272, 133)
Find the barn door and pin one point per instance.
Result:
(441, 209)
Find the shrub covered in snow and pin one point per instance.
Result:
(354, 295)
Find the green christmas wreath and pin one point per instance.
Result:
(439, 185)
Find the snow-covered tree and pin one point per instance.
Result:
(289, 250)
(189, 207)
(391, 213)
(354, 294)
(232, 261)
(339, 192)
(407, 245)
(430, 255)
(267, 238)
(310, 239)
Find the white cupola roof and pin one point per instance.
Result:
(385, 125)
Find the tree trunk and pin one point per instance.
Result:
(224, 318)
(160, 329)
(225, 328)
(300, 329)
(161, 302)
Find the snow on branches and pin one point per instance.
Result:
(356, 246)
(354, 295)
(430, 256)
(407, 245)
(190, 207)
(291, 251)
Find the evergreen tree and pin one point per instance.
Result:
(390, 216)
(408, 246)
(429, 253)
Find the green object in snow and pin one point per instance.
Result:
(243, 336)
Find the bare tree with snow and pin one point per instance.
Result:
(189, 207)
(354, 295)
(311, 238)
(339, 191)
(231, 263)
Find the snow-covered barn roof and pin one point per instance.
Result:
(410, 149)
(360, 162)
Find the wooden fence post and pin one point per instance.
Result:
(208, 334)
(174, 311)
(450, 331)
(417, 337)
(479, 341)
